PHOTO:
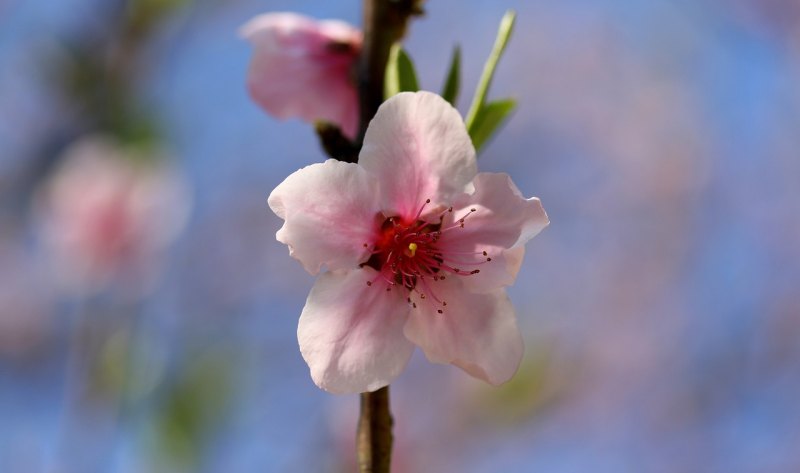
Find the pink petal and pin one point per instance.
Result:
(502, 217)
(330, 211)
(351, 334)
(302, 68)
(502, 222)
(419, 148)
(501, 271)
(476, 332)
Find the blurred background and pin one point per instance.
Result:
(148, 316)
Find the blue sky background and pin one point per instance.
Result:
(660, 309)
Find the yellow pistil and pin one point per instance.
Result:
(412, 248)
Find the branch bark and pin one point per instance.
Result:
(374, 439)
(385, 23)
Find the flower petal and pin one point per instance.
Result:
(301, 68)
(501, 271)
(330, 211)
(502, 217)
(476, 332)
(351, 334)
(418, 147)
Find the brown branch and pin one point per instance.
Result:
(374, 439)
(335, 144)
(385, 23)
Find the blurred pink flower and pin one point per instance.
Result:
(418, 247)
(107, 211)
(303, 68)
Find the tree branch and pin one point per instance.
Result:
(385, 23)
(374, 439)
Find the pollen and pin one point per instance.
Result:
(412, 249)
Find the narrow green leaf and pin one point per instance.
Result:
(503, 35)
(489, 119)
(400, 73)
(452, 85)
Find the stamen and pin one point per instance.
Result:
(430, 291)
(428, 201)
(410, 254)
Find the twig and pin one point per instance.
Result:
(384, 23)
(374, 440)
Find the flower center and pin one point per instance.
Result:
(409, 254)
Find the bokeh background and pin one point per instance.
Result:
(148, 316)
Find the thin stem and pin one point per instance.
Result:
(385, 23)
(374, 439)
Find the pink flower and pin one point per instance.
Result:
(107, 213)
(418, 247)
(303, 68)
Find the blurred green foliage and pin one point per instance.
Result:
(452, 83)
(194, 405)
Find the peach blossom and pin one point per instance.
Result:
(304, 68)
(418, 248)
(107, 211)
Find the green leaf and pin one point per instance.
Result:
(452, 85)
(503, 35)
(400, 73)
(489, 119)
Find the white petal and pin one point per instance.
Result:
(418, 147)
(330, 211)
(502, 217)
(351, 334)
(476, 332)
